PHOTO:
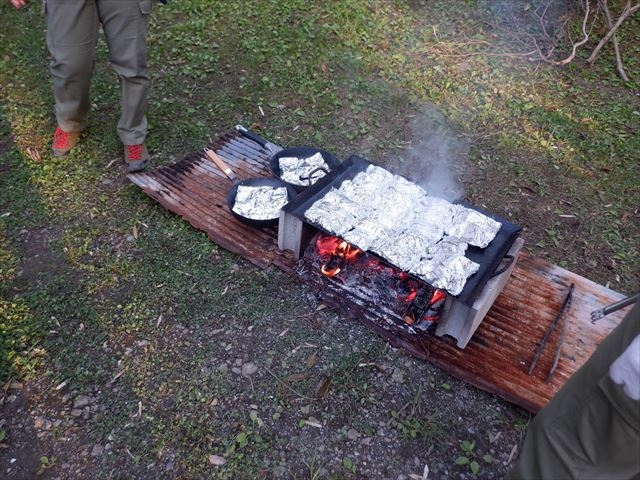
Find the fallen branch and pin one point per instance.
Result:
(614, 38)
(489, 54)
(586, 29)
(626, 13)
(585, 38)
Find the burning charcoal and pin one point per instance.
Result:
(293, 169)
(260, 203)
(473, 227)
(425, 308)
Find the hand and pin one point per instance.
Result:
(18, 3)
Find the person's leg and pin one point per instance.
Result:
(72, 29)
(125, 27)
(590, 429)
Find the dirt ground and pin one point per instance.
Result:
(411, 417)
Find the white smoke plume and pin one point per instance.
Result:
(437, 158)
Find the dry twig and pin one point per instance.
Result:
(586, 30)
(614, 39)
(626, 13)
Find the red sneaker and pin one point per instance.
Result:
(136, 156)
(63, 142)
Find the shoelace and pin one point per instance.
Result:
(135, 152)
(60, 139)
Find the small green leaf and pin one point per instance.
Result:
(487, 458)
(462, 460)
(241, 439)
(347, 463)
(474, 467)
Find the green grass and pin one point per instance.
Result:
(124, 286)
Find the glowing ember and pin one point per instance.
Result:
(437, 296)
(331, 268)
(339, 252)
(425, 306)
(411, 296)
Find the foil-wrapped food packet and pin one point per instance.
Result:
(473, 227)
(450, 275)
(260, 202)
(334, 212)
(303, 171)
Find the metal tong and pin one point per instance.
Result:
(543, 343)
(601, 312)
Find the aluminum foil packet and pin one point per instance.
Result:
(449, 274)
(336, 220)
(260, 202)
(303, 171)
(473, 227)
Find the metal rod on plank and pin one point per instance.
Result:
(556, 357)
(551, 328)
(625, 302)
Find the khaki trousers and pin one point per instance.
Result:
(590, 429)
(72, 34)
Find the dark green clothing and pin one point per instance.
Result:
(72, 33)
(590, 429)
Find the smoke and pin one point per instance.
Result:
(438, 156)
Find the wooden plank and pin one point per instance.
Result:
(497, 357)
(510, 333)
